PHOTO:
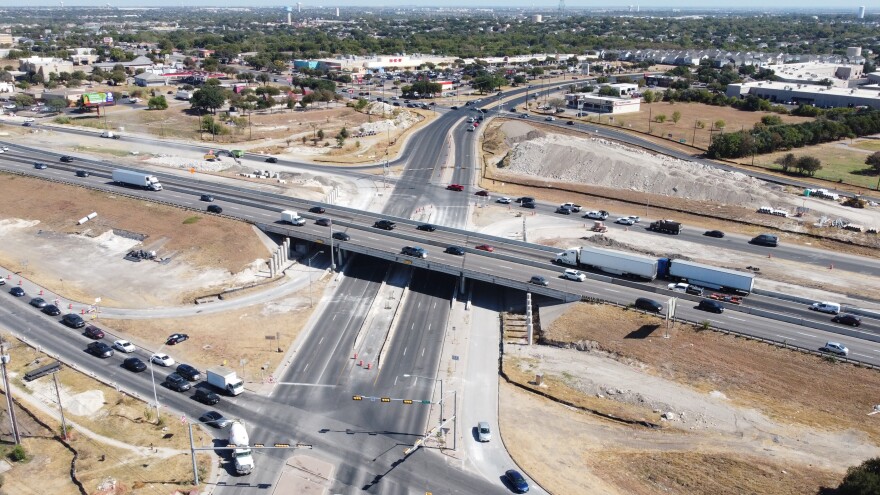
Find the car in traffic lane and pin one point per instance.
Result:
(341, 236)
(99, 349)
(714, 233)
(134, 364)
(485, 247)
(17, 292)
(516, 481)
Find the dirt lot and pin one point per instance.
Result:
(746, 417)
(42, 240)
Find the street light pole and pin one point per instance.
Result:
(153, 379)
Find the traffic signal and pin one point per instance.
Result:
(407, 401)
(282, 445)
(358, 397)
(259, 445)
(386, 399)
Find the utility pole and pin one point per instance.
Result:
(60, 407)
(4, 358)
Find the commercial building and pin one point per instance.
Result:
(45, 65)
(820, 96)
(840, 75)
(595, 103)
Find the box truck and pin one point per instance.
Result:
(292, 218)
(225, 379)
(136, 179)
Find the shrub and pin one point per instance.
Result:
(18, 454)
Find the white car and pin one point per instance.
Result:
(573, 207)
(574, 275)
(483, 431)
(679, 287)
(124, 346)
(835, 348)
(11, 106)
(634, 218)
(162, 359)
(5, 148)
(597, 215)
(625, 221)
(505, 200)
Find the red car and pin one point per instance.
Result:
(455, 187)
(482, 193)
(485, 247)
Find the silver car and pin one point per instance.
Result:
(484, 434)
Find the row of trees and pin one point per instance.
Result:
(845, 123)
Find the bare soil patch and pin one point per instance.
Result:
(784, 384)
(236, 338)
(206, 250)
(746, 417)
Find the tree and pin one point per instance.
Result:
(771, 120)
(263, 78)
(787, 162)
(874, 161)
(341, 137)
(676, 116)
(608, 91)
(23, 100)
(556, 103)
(863, 479)
(157, 103)
(719, 124)
(660, 118)
(649, 96)
(808, 165)
(209, 98)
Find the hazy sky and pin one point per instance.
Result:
(528, 4)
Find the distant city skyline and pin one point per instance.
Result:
(780, 5)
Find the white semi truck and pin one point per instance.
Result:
(292, 218)
(242, 457)
(225, 379)
(608, 261)
(711, 277)
(136, 179)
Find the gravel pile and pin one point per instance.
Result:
(600, 162)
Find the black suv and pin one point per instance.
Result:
(82, 173)
(215, 209)
(649, 305)
(765, 240)
(426, 227)
(188, 372)
(384, 224)
(458, 251)
(341, 236)
(693, 289)
(99, 349)
(847, 319)
(66, 158)
(51, 310)
(177, 383)
(414, 251)
(206, 397)
(73, 320)
(711, 306)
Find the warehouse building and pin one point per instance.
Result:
(806, 94)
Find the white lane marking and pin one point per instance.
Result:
(404, 353)
(305, 384)
(737, 319)
(321, 341)
(419, 305)
(307, 367)
(611, 290)
(334, 317)
(413, 326)
(593, 293)
(423, 352)
(789, 337)
(395, 378)
(863, 355)
(805, 334)
(429, 327)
